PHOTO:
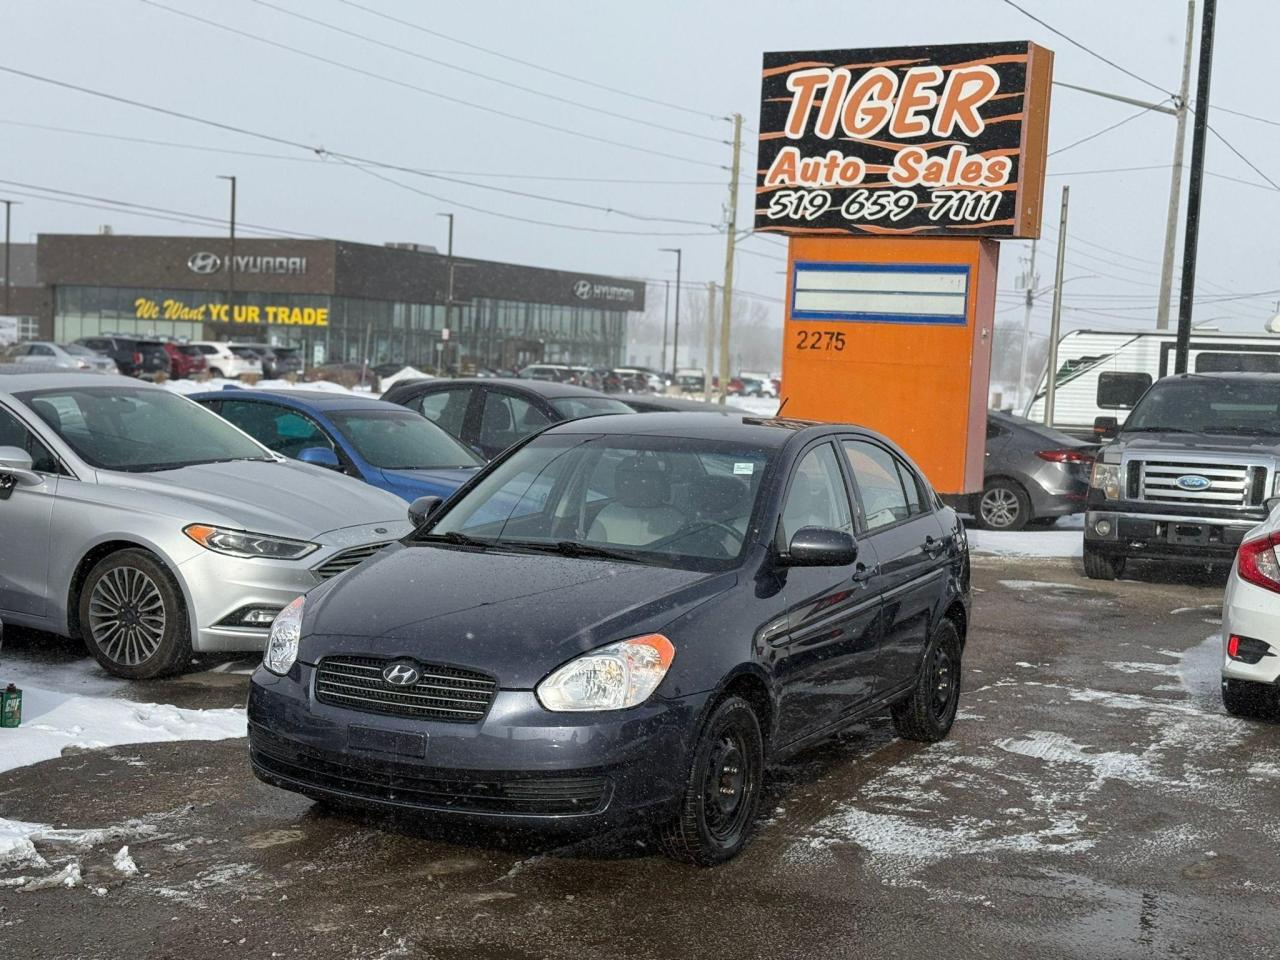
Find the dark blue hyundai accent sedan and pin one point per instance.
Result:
(623, 619)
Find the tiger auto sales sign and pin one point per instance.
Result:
(906, 140)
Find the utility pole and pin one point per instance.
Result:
(731, 234)
(1055, 323)
(1030, 281)
(708, 368)
(1187, 297)
(231, 259)
(675, 336)
(666, 314)
(1175, 183)
(8, 281)
(448, 301)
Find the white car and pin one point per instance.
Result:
(228, 361)
(43, 353)
(1251, 625)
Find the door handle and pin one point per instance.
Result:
(862, 572)
(933, 546)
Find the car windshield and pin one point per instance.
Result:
(576, 408)
(138, 429)
(77, 350)
(401, 440)
(666, 501)
(1209, 405)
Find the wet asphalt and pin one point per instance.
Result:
(1092, 801)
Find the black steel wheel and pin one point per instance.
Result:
(722, 795)
(928, 713)
(132, 617)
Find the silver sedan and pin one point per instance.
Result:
(152, 528)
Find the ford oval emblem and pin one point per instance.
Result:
(401, 673)
(1193, 481)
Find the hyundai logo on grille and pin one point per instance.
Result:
(1193, 481)
(401, 673)
(204, 262)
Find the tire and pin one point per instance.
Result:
(712, 827)
(1099, 566)
(133, 618)
(1249, 700)
(928, 713)
(1003, 505)
(215, 372)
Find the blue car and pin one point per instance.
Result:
(380, 443)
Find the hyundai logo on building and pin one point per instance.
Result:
(401, 673)
(590, 290)
(204, 262)
(1193, 481)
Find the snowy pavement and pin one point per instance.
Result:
(1093, 801)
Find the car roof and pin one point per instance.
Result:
(646, 402)
(315, 399)
(20, 382)
(1224, 375)
(761, 431)
(543, 388)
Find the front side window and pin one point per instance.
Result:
(875, 470)
(661, 500)
(139, 429)
(507, 419)
(401, 440)
(817, 495)
(14, 434)
(277, 428)
(447, 409)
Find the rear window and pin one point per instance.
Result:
(575, 408)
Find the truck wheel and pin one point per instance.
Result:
(927, 714)
(1003, 506)
(1249, 700)
(132, 617)
(1099, 566)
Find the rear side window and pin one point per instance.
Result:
(880, 483)
(1120, 391)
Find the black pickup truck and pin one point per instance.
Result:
(1195, 467)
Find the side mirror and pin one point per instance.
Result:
(320, 457)
(1105, 428)
(420, 510)
(16, 463)
(820, 547)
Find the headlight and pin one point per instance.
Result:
(241, 543)
(615, 677)
(1106, 477)
(282, 645)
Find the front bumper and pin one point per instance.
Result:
(1164, 536)
(520, 766)
(1251, 611)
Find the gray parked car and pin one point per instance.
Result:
(73, 356)
(152, 528)
(1033, 473)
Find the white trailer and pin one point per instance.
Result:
(1102, 373)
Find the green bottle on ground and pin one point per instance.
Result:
(10, 706)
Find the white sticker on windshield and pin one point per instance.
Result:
(744, 468)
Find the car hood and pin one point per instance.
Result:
(1169, 444)
(514, 615)
(411, 484)
(287, 498)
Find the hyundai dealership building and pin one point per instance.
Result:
(338, 301)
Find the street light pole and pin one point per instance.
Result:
(8, 281)
(231, 260)
(666, 315)
(448, 302)
(675, 334)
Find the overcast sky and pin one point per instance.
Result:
(700, 59)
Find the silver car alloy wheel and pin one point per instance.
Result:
(127, 616)
(1000, 507)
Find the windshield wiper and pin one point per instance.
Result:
(572, 548)
(1127, 429)
(1243, 431)
(456, 538)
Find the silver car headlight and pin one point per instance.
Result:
(615, 677)
(241, 543)
(282, 644)
(1106, 477)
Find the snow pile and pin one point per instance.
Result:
(123, 862)
(405, 373)
(221, 383)
(1036, 543)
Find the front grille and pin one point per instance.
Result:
(1231, 485)
(391, 782)
(346, 559)
(442, 693)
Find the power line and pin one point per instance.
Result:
(1093, 53)
(322, 152)
(484, 76)
(1092, 136)
(535, 66)
(568, 131)
(1249, 163)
